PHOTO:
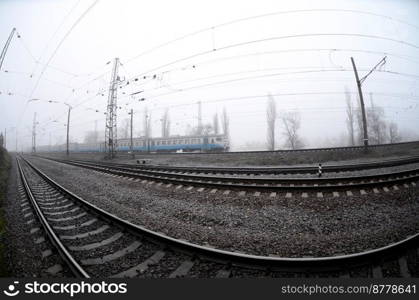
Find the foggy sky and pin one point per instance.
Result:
(234, 65)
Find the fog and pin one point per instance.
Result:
(224, 54)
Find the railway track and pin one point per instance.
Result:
(254, 171)
(95, 243)
(348, 184)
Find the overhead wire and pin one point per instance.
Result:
(211, 28)
(79, 19)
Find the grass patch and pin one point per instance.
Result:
(4, 176)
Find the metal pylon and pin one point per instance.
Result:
(111, 122)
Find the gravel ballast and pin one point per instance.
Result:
(289, 227)
(23, 255)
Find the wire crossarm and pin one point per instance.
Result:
(380, 63)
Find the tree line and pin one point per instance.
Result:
(380, 131)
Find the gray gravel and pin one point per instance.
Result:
(23, 255)
(291, 227)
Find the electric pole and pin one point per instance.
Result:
(6, 46)
(199, 118)
(131, 145)
(34, 134)
(111, 123)
(96, 135)
(68, 129)
(361, 98)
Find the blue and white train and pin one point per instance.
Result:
(207, 143)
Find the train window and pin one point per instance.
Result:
(218, 139)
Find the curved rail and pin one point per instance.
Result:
(74, 266)
(257, 183)
(319, 264)
(274, 169)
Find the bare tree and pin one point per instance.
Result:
(393, 133)
(350, 117)
(225, 122)
(125, 128)
(271, 120)
(207, 129)
(376, 124)
(291, 122)
(215, 123)
(165, 124)
(90, 137)
(147, 124)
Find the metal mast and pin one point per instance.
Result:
(199, 118)
(111, 123)
(6, 46)
(68, 129)
(34, 134)
(131, 144)
(361, 98)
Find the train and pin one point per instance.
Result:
(193, 143)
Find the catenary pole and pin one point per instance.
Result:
(361, 99)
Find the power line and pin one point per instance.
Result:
(273, 75)
(305, 35)
(263, 16)
(55, 32)
(56, 50)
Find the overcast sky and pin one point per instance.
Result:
(298, 51)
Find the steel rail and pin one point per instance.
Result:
(74, 266)
(255, 183)
(309, 264)
(269, 170)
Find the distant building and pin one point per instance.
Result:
(1, 140)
